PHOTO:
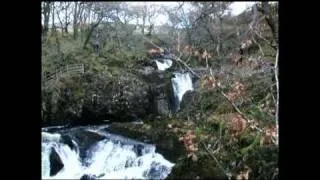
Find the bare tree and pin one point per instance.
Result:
(144, 16)
(67, 14)
(46, 15)
(53, 28)
(77, 16)
(58, 9)
(85, 16)
(102, 10)
(152, 14)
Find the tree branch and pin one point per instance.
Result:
(236, 108)
(149, 41)
(260, 48)
(277, 102)
(173, 57)
(228, 174)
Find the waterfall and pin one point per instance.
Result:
(163, 65)
(181, 83)
(113, 157)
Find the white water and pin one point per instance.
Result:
(181, 83)
(109, 157)
(165, 65)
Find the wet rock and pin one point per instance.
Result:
(157, 171)
(55, 162)
(88, 177)
(68, 141)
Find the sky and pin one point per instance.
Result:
(236, 9)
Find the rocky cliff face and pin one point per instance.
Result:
(116, 94)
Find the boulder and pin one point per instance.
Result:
(85, 140)
(55, 162)
(88, 177)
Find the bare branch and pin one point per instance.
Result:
(277, 102)
(174, 57)
(228, 174)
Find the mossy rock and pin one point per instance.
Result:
(199, 102)
(203, 168)
(166, 142)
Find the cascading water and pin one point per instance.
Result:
(181, 83)
(113, 157)
(165, 65)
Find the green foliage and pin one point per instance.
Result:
(251, 146)
(198, 131)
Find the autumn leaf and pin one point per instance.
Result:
(237, 125)
(269, 134)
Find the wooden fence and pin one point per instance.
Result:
(68, 70)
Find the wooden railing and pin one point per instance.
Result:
(68, 70)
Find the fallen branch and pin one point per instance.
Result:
(175, 58)
(149, 41)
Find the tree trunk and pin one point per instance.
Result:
(53, 28)
(46, 14)
(178, 41)
(218, 46)
(75, 20)
(143, 24)
(66, 20)
(90, 33)
(61, 23)
(117, 35)
(150, 29)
